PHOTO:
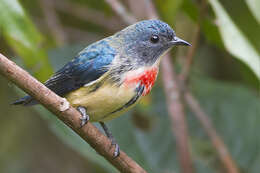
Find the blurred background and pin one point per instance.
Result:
(42, 35)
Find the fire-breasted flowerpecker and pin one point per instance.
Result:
(109, 76)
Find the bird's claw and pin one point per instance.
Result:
(84, 119)
(112, 139)
(84, 116)
(117, 150)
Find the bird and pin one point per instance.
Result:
(108, 77)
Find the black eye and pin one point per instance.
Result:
(154, 38)
(170, 36)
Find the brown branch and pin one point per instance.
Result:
(70, 116)
(183, 76)
(138, 9)
(203, 118)
(74, 34)
(88, 14)
(195, 40)
(121, 11)
(174, 104)
(150, 10)
(79, 35)
(177, 114)
(218, 143)
(52, 21)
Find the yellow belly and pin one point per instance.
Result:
(102, 102)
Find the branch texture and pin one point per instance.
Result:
(70, 116)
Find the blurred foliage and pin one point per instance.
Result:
(225, 78)
(168, 9)
(208, 26)
(20, 32)
(242, 45)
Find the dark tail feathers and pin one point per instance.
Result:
(25, 101)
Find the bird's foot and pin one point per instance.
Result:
(112, 139)
(84, 116)
(117, 149)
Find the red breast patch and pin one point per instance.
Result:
(146, 78)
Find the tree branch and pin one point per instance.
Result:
(183, 76)
(70, 116)
(193, 103)
(89, 14)
(177, 114)
(218, 143)
(52, 21)
(121, 11)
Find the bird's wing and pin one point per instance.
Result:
(88, 66)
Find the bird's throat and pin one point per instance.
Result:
(144, 77)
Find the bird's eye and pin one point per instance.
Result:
(154, 38)
(170, 36)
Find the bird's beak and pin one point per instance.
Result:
(178, 41)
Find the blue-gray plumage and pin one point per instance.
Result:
(88, 66)
(108, 77)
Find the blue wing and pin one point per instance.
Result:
(88, 66)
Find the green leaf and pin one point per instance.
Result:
(235, 41)
(254, 6)
(246, 23)
(23, 37)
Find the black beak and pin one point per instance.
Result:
(178, 41)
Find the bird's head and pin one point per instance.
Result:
(147, 40)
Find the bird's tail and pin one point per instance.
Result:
(25, 101)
